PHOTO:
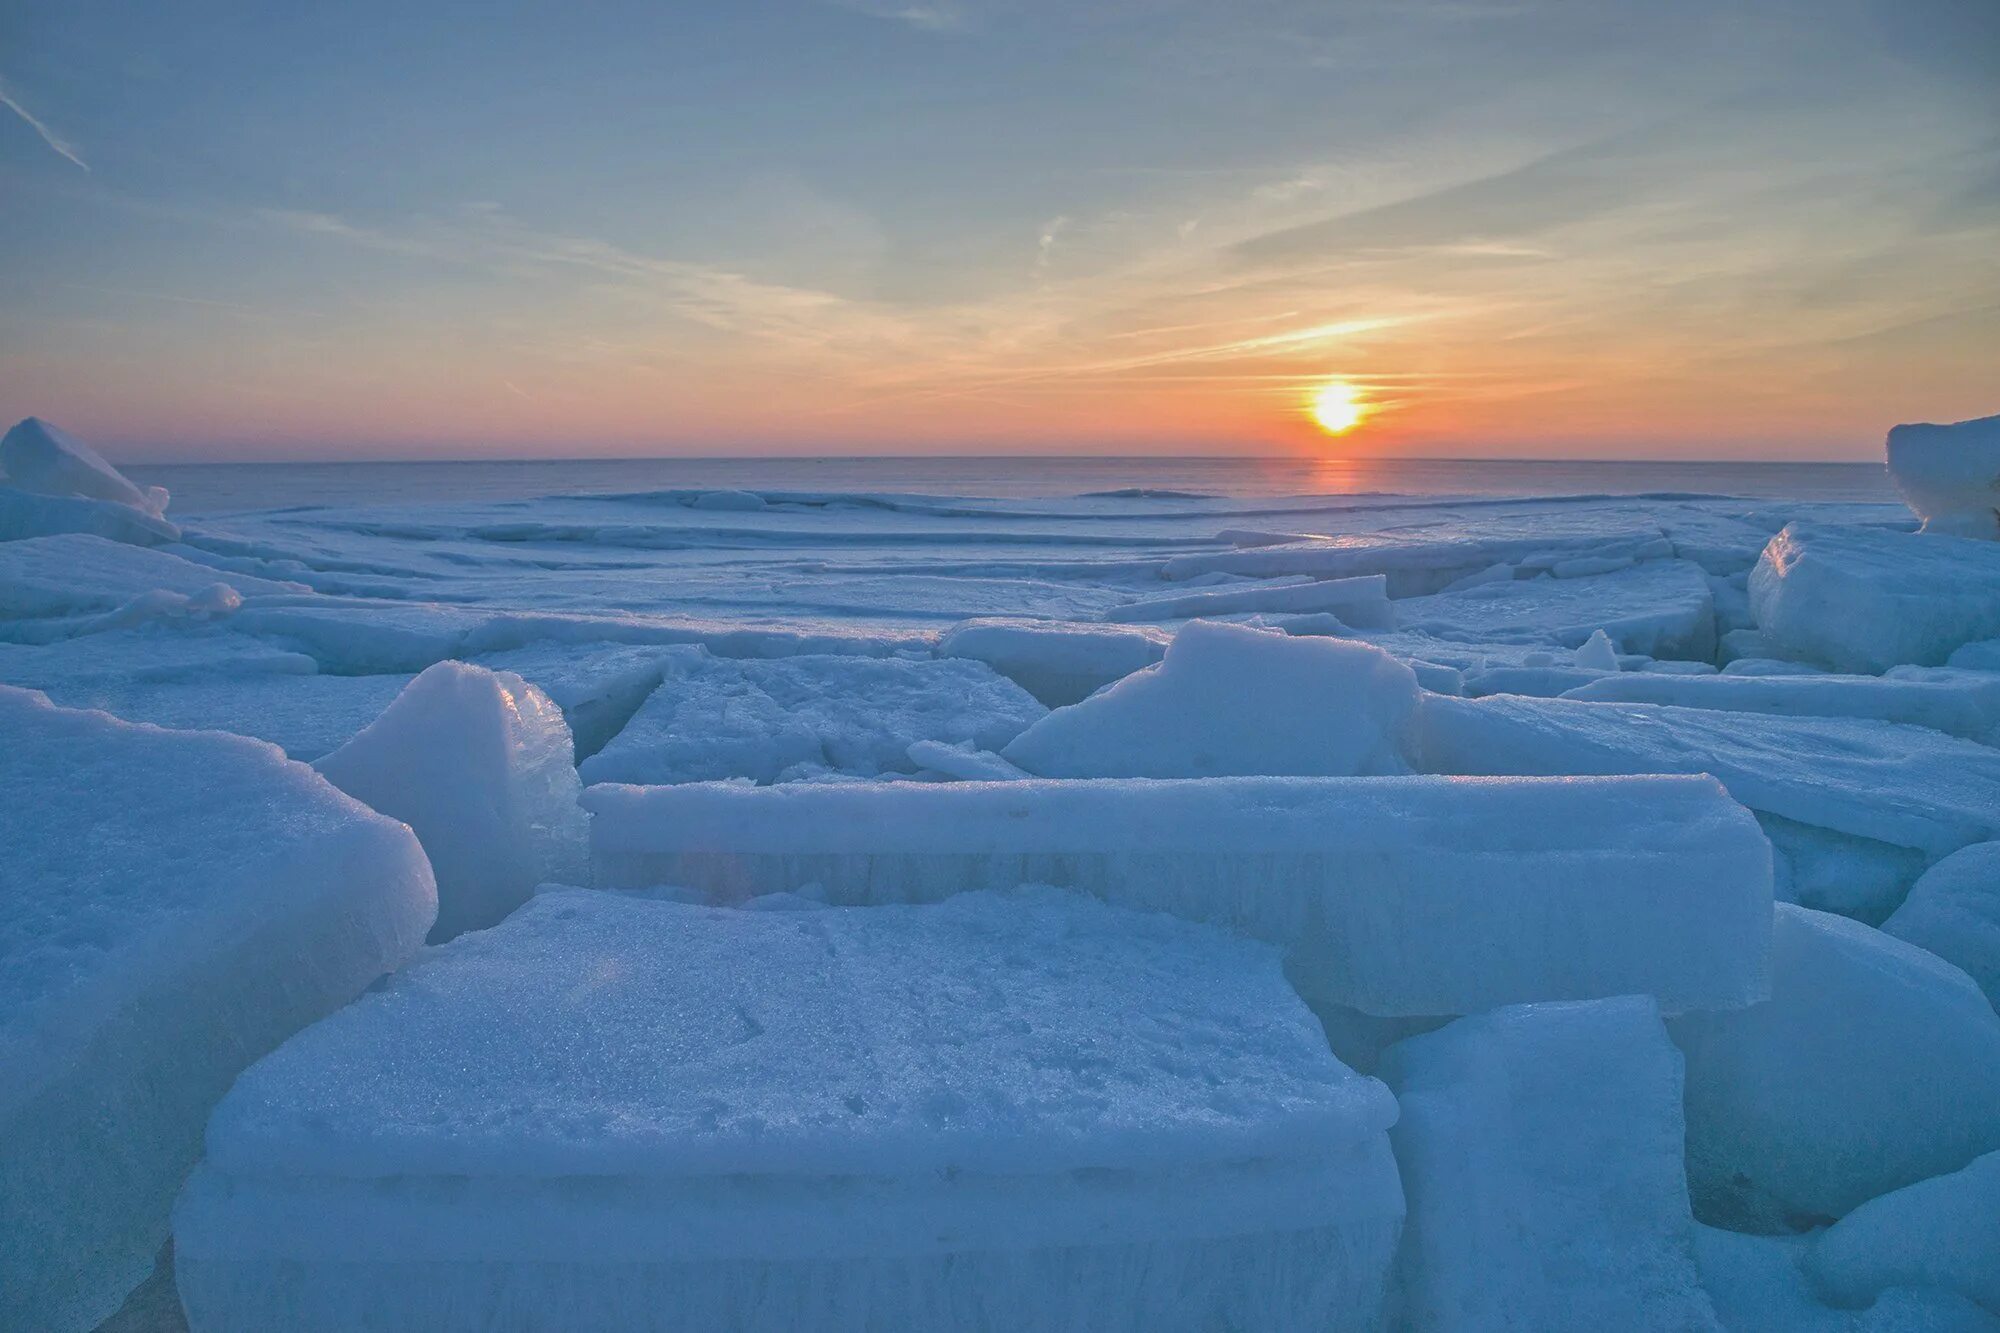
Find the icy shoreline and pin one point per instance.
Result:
(1422, 848)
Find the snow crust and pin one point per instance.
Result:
(479, 763)
(1394, 896)
(1031, 1110)
(149, 951)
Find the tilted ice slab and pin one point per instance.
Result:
(1059, 662)
(1866, 599)
(717, 717)
(1361, 602)
(1662, 608)
(597, 686)
(1028, 1111)
(37, 457)
(1906, 786)
(479, 763)
(1540, 1146)
(1954, 911)
(1228, 699)
(1950, 475)
(1942, 1232)
(75, 573)
(172, 905)
(1959, 703)
(1396, 896)
(25, 514)
(1872, 1066)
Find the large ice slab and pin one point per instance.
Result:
(1059, 662)
(74, 573)
(172, 905)
(1540, 1147)
(39, 458)
(714, 717)
(1866, 599)
(25, 514)
(1396, 896)
(306, 715)
(1361, 602)
(1950, 475)
(1959, 703)
(1661, 608)
(158, 651)
(1872, 1066)
(1228, 699)
(1954, 911)
(479, 763)
(1027, 1111)
(1905, 786)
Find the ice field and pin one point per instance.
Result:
(709, 909)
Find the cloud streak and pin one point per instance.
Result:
(49, 136)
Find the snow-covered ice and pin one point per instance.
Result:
(1394, 896)
(1954, 911)
(1942, 1232)
(1361, 602)
(1540, 1148)
(172, 906)
(1950, 475)
(479, 763)
(1057, 663)
(713, 717)
(1959, 703)
(1027, 1111)
(39, 458)
(1872, 1066)
(1228, 699)
(1758, 1287)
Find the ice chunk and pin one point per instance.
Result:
(1228, 699)
(1981, 656)
(963, 761)
(1058, 662)
(1959, 703)
(1395, 896)
(1950, 475)
(1598, 653)
(24, 514)
(158, 651)
(1942, 1232)
(1663, 608)
(306, 716)
(478, 763)
(72, 573)
(39, 458)
(172, 906)
(1866, 599)
(1757, 1288)
(770, 720)
(1954, 911)
(1360, 602)
(1027, 1111)
(1907, 786)
(1872, 1066)
(1540, 1146)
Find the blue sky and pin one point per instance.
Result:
(1700, 229)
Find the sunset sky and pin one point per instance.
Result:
(1757, 230)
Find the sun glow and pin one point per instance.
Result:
(1336, 406)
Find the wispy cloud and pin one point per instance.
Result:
(49, 136)
(925, 17)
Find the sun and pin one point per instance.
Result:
(1337, 407)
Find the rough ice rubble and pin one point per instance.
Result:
(1394, 896)
(1942, 1232)
(1958, 703)
(149, 951)
(479, 763)
(1058, 662)
(1228, 699)
(713, 717)
(1872, 1066)
(1950, 475)
(1954, 911)
(42, 460)
(1022, 1112)
(1863, 600)
(1540, 1148)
